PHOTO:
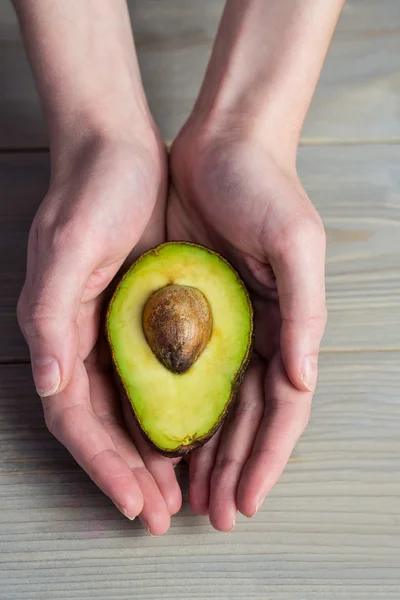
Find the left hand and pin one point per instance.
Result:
(229, 194)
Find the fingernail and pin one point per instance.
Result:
(257, 508)
(123, 510)
(47, 377)
(253, 513)
(309, 373)
(233, 525)
(144, 523)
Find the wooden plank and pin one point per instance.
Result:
(357, 96)
(329, 529)
(356, 99)
(357, 192)
(23, 184)
(21, 120)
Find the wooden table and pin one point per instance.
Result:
(330, 529)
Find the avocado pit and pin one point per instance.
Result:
(177, 323)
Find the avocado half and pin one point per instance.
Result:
(180, 330)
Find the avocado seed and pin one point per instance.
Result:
(177, 323)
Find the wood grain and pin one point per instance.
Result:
(23, 184)
(329, 529)
(356, 190)
(356, 99)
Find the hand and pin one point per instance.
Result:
(229, 194)
(106, 199)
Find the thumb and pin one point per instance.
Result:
(299, 267)
(47, 313)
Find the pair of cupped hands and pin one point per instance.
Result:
(111, 197)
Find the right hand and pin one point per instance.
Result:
(105, 205)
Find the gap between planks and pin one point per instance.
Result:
(304, 142)
(325, 351)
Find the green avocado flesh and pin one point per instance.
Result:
(178, 411)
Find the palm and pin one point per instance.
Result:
(233, 206)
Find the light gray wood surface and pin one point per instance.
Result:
(329, 530)
(356, 190)
(357, 98)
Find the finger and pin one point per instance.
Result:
(154, 515)
(49, 306)
(70, 419)
(200, 468)
(235, 447)
(285, 417)
(161, 467)
(299, 267)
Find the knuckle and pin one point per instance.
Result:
(246, 405)
(308, 229)
(38, 323)
(317, 321)
(59, 421)
(268, 455)
(67, 240)
(226, 463)
(292, 417)
(313, 322)
(42, 226)
(302, 232)
(62, 237)
(300, 412)
(55, 233)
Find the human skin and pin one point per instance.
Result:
(235, 189)
(105, 205)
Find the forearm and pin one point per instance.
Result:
(83, 58)
(265, 64)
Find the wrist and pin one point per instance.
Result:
(264, 68)
(87, 140)
(238, 128)
(70, 127)
(252, 105)
(84, 61)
